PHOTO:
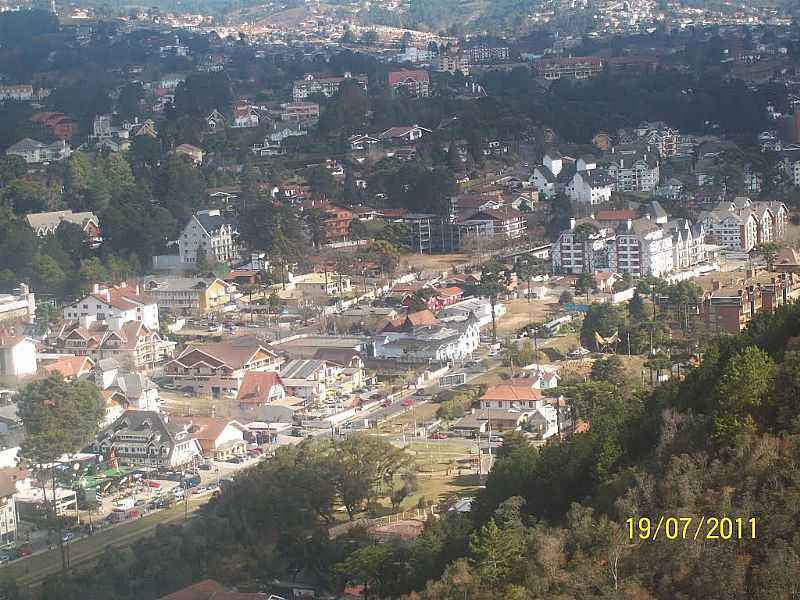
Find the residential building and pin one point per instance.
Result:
(120, 302)
(790, 159)
(518, 394)
(211, 232)
(642, 249)
(327, 86)
(408, 134)
(70, 367)
(215, 121)
(208, 589)
(244, 115)
(312, 380)
(19, 306)
(194, 296)
(216, 369)
(582, 67)
(688, 243)
(219, 438)
(742, 224)
(583, 248)
(543, 179)
(437, 343)
(300, 112)
(60, 126)
(131, 343)
(323, 284)
(46, 223)
(590, 186)
(451, 62)
(17, 355)
(486, 54)
(362, 142)
(260, 388)
(193, 153)
(492, 420)
(411, 83)
(507, 223)
(136, 390)
(12, 481)
(35, 152)
(480, 308)
(542, 377)
(632, 168)
(16, 93)
(140, 437)
(336, 222)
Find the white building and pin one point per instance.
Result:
(633, 169)
(327, 86)
(120, 302)
(590, 186)
(17, 355)
(12, 481)
(583, 248)
(209, 231)
(35, 152)
(19, 306)
(543, 179)
(643, 249)
(688, 243)
(480, 307)
(737, 232)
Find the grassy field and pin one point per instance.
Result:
(521, 312)
(35, 569)
(433, 263)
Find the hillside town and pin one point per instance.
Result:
(315, 283)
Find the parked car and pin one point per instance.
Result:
(235, 460)
(67, 536)
(204, 467)
(152, 484)
(438, 436)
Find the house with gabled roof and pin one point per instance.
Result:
(119, 302)
(219, 368)
(405, 133)
(212, 233)
(131, 342)
(141, 437)
(260, 387)
(219, 438)
(70, 367)
(46, 223)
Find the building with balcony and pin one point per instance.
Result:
(120, 302)
(213, 233)
(217, 369)
(195, 296)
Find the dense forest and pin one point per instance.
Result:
(550, 523)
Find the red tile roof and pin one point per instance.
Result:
(396, 77)
(72, 366)
(449, 291)
(208, 589)
(616, 215)
(512, 391)
(256, 386)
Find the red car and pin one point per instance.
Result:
(438, 436)
(152, 484)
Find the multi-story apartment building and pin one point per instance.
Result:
(486, 54)
(632, 168)
(643, 249)
(217, 369)
(742, 224)
(336, 222)
(639, 247)
(413, 83)
(451, 62)
(327, 86)
(299, 111)
(582, 67)
(583, 248)
(131, 343)
(19, 306)
(211, 232)
(189, 295)
(504, 222)
(17, 93)
(688, 243)
(121, 302)
(790, 159)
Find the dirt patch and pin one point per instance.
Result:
(433, 264)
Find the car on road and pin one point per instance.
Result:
(204, 467)
(68, 536)
(152, 484)
(235, 460)
(438, 436)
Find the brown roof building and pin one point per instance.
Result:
(208, 589)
